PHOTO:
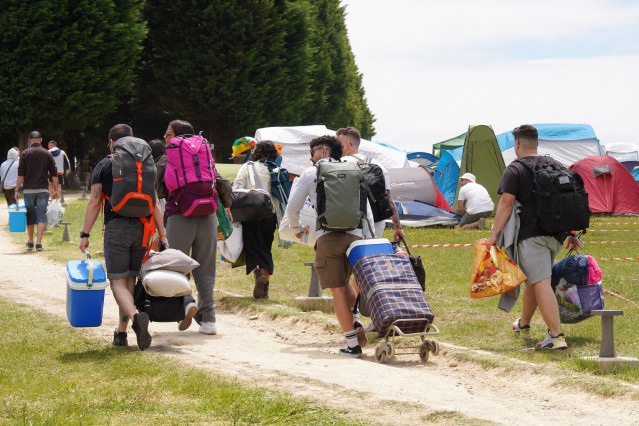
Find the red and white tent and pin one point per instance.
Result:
(611, 188)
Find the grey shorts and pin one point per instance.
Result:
(331, 263)
(472, 218)
(536, 256)
(123, 250)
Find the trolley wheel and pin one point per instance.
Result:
(390, 350)
(424, 352)
(380, 353)
(434, 347)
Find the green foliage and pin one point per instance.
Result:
(65, 64)
(230, 67)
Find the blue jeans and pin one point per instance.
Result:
(36, 205)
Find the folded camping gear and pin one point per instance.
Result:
(392, 293)
(86, 282)
(170, 260)
(164, 283)
(493, 272)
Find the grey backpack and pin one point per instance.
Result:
(341, 196)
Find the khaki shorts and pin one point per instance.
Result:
(331, 263)
(536, 256)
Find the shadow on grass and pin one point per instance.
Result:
(98, 355)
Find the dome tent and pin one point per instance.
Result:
(611, 188)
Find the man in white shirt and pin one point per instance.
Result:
(62, 164)
(474, 202)
(349, 137)
(331, 263)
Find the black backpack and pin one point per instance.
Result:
(377, 195)
(560, 196)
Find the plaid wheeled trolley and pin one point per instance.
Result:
(396, 302)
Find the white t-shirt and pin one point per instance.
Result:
(476, 198)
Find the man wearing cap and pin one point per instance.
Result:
(36, 163)
(474, 202)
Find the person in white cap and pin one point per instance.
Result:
(474, 203)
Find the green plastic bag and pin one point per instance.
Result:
(224, 228)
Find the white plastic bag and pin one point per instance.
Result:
(232, 247)
(308, 217)
(55, 213)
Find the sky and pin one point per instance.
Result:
(431, 68)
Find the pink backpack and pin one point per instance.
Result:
(190, 175)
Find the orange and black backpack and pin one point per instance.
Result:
(134, 177)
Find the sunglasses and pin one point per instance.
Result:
(315, 149)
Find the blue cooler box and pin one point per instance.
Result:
(17, 219)
(362, 248)
(85, 296)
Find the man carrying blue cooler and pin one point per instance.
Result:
(124, 249)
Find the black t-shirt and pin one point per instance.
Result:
(518, 181)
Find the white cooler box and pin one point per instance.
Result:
(86, 281)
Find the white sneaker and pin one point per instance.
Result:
(369, 327)
(208, 328)
(189, 313)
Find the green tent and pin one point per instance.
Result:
(450, 144)
(482, 158)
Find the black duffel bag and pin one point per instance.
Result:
(416, 263)
(251, 204)
(159, 309)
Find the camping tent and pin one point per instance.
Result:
(565, 143)
(611, 188)
(295, 156)
(482, 158)
(418, 201)
(623, 151)
(446, 176)
(422, 158)
(450, 144)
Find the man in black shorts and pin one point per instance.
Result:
(123, 246)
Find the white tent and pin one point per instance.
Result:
(623, 151)
(295, 140)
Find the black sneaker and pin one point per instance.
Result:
(39, 247)
(141, 327)
(119, 338)
(29, 245)
(355, 352)
(361, 334)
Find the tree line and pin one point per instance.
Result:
(73, 68)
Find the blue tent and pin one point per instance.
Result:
(446, 176)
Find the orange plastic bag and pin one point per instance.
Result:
(493, 272)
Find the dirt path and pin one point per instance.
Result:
(300, 358)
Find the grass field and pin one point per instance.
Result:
(51, 375)
(474, 323)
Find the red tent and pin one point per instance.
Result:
(611, 188)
